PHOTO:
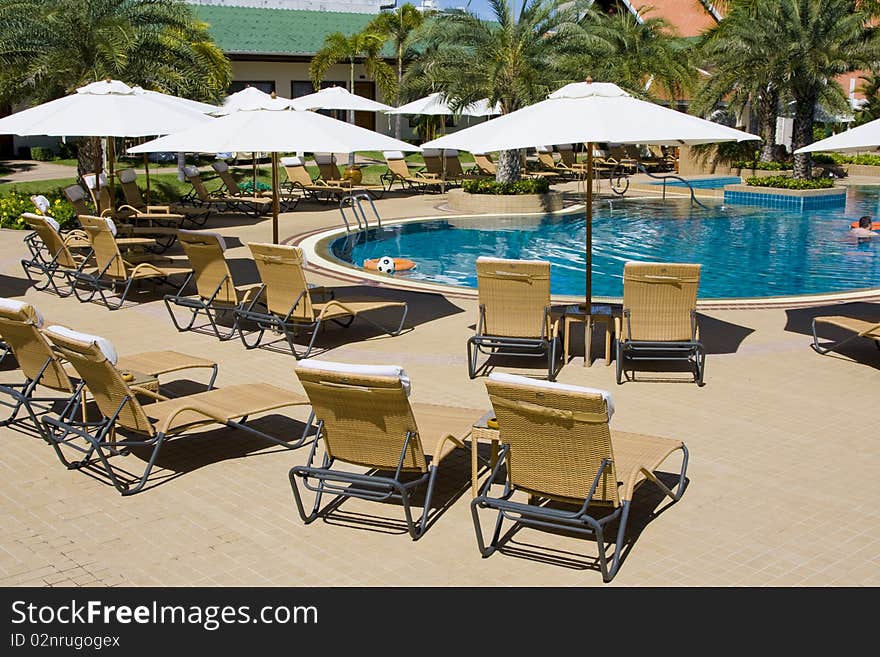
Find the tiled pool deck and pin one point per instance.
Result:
(784, 454)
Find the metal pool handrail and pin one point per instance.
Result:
(355, 202)
(674, 177)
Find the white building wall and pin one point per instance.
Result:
(352, 6)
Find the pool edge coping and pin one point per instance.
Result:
(317, 261)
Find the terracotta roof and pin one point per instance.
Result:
(688, 17)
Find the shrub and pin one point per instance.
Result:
(824, 158)
(14, 204)
(67, 150)
(489, 186)
(784, 182)
(762, 166)
(840, 158)
(42, 154)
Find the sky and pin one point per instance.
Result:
(479, 7)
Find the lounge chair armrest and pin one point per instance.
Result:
(204, 412)
(159, 208)
(149, 393)
(438, 454)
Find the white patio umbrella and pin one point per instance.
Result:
(274, 131)
(589, 112)
(434, 105)
(249, 99)
(108, 108)
(203, 108)
(338, 98)
(862, 138)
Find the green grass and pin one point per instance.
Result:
(165, 187)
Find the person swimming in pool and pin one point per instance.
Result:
(864, 228)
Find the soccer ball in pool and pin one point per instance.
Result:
(385, 265)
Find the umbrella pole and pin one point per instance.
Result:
(147, 175)
(589, 222)
(274, 198)
(111, 156)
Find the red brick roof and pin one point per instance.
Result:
(688, 17)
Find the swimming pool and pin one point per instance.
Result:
(745, 251)
(703, 183)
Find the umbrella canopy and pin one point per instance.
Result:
(196, 106)
(337, 98)
(435, 105)
(274, 131)
(865, 137)
(588, 112)
(108, 108)
(251, 98)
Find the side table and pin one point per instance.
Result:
(574, 313)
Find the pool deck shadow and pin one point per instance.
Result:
(863, 351)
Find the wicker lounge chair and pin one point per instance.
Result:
(216, 291)
(447, 169)
(659, 321)
(299, 180)
(43, 371)
(151, 425)
(289, 304)
(557, 447)
(365, 419)
(74, 238)
(175, 216)
(163, 235)
(621, 159)
(483, 162)
(78, 199)
(43, 368)
(255, 206)
(52, 255)
(860, 328)
(399, 172)
(328, 173)
(114, 271)
(514, 318)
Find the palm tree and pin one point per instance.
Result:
(48, 48)
(365, 45)
(793, 50)
(821, 39)
(641, 54)
(870, 89)
(747, 68)
(399, 27)
(512, 61)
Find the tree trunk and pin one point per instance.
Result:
(767, 106)
(509, 168)
(802, 135)
(90, 157)
(399, 82)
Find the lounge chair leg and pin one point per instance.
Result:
(618, 362)
(429, 493)
(472, 358)
(700, 365)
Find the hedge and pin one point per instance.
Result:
(784, 182)
(489, 186)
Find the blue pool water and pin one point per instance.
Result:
(703, 183)
(745, 251)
